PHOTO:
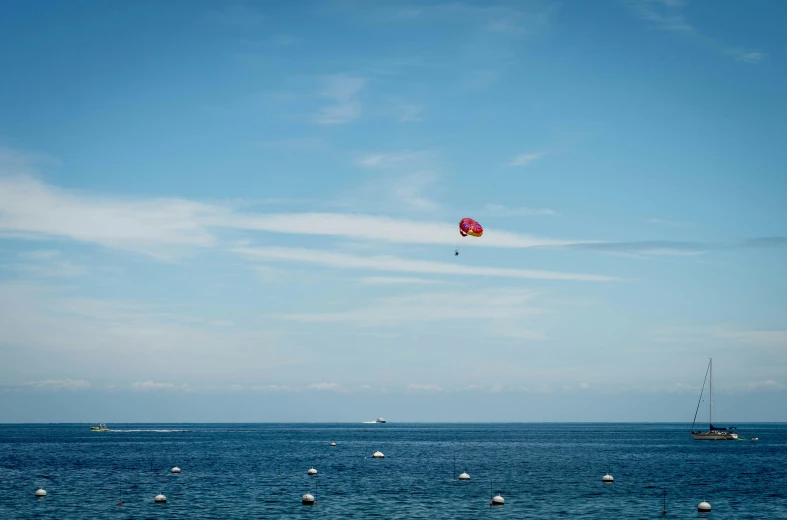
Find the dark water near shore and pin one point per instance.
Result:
(543, 470)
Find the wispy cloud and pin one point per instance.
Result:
(499, 307)
(61, 384)
(525, 159)
(397, 264)
(499, 210)
(397, 280)
(387, 229)
(168, 227)
(343, 91)
(768, 384)
(676, 248)
(325, 387)
(746, 56)
(669, 15)
(404, 180)
(31, 208)
(49, 327)
(41, 254)
(46, 263)
(407, 112)
(161, 226)
(404, 159)
(152, 385)
(773, 338)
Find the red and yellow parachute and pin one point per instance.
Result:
(468, 226)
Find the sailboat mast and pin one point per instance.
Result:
(710, 401)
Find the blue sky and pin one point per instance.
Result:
(248, 211)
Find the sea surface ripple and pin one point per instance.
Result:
(234, 471)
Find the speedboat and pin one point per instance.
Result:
(380, 420)
(100, 428)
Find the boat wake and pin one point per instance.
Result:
(157, 431)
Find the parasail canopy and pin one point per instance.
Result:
(468, 226)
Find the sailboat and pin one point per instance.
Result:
(714, 433)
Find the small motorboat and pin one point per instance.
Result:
(100, 428)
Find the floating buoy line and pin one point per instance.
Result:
(309, 499)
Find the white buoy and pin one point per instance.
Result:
(497, 501)
(308, 499)
(607, 479)
(703, 507)
(312, 472)
(464, 476)
(333, 444)
(160, 499)
(378, 455)
(175, 470)
(41, 492)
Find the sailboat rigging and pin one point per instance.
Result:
(714, 433)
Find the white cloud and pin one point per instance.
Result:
(397, 264)
(151, 385)
(768, 384)
(325, 387)
(424, 388)
(342, 90)
(524, 159)
(61, 384)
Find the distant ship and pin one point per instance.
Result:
(380, 420)
(100, 428)
(714, 433)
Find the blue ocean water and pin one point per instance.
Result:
(259, 471)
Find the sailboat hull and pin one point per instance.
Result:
(714, 436)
